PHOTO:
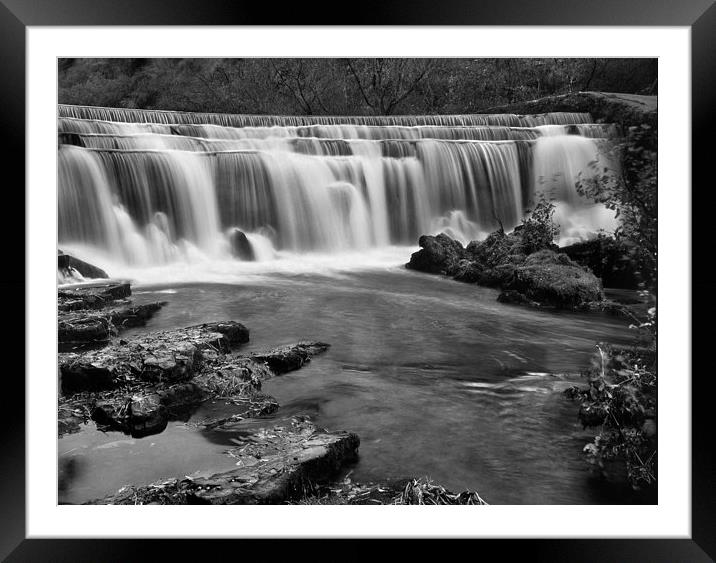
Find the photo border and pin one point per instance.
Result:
(699, 15)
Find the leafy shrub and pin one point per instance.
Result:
(621, 401)
(630, 189)
(538, 229)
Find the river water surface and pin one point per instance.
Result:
(436, 377)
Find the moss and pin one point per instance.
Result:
(551, 278)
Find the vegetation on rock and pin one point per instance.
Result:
(551, 278)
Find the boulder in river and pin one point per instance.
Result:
(542, 277)
(241, 246)
(549, 278)
(67, 263)
(438, 255)
(233, 332)
(289, 358)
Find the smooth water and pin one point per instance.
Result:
(435, 376)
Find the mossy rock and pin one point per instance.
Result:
(553, 279)
(438, 255)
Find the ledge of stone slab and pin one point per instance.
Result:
(99, 325)
(275, 465)
(168, 356)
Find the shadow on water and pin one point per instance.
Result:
(436, 378)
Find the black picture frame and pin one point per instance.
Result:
(699, 15)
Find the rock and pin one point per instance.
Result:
(95, 296)
(289, 358)
(147, 415)
(439, 255)
(166, 356)
(553, 279)
(86, 270)
(84, 329)
(254, 405)
(241, 246)
(511, 262)
(234, 333)
(274, 465)
(177, 397)
(77, 327)
(112, 412)
(469, 271)
(139, 384)
(614, 262)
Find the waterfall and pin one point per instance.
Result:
(148, 187)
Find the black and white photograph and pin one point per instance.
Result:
(399, 278)
(357, 281)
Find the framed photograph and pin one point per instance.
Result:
(397, 279)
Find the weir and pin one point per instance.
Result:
(147, 187)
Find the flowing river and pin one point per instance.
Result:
(435, 376)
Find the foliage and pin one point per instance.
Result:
(621, 401)
(536, 233)
(362, 86)
(538, 228)
(630, 189)
(424, 491)
(421, 491)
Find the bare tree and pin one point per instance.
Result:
(385, 83)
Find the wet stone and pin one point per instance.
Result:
(289, 358)
(278, 464)
(167, 356)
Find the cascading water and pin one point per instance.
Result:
(142, 188)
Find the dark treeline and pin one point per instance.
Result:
(341, 86)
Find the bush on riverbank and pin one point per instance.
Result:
(621, 401)
(631, 191)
